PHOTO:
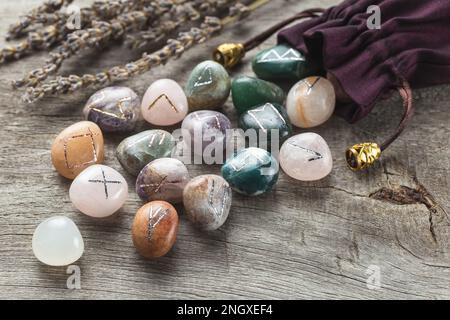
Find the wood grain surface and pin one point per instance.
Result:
(302, 240)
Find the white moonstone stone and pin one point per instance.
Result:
(99, 191)
(57, 242)
(310, 102)
(306, 157)
(164, 103)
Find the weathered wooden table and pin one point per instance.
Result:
(326, 239)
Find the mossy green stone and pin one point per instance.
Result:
(283, 63)
(135, 152)
(208, 86)
(265, 118)
(248, 92)
(251, 171)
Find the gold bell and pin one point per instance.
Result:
(362, 155)
(229, 54)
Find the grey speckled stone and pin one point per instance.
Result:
(208, 86)
(162, 179)
(207, 201)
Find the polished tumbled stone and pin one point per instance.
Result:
(114, 109)
(162, 179)
(205, 131)
(164, 103)
(306, 157)
(282, 63)
(98, 191)
(154, 229)
(57, 242)
(270, 121)
(248, 92)
(208, 86)
(135, 152)
(207, 201)
(310, 102)
(251, 171)
(76, 148)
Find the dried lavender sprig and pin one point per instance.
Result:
(101, 33)
(56, 29)
(173, 49)
(50, 6)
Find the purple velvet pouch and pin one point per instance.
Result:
(412, 45)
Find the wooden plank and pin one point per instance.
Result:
(303, 240)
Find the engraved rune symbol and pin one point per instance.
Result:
(253, 112)
(89, 135)
(162, 137)
(163, 96)
(154, 218)
(224, 197)
(105, 182)
(205, 78)
(246, 161)
(315, 155)
(310, 85)
(154, 187)
(216, 118)
(289, 55)
(120, 107)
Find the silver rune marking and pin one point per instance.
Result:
(315, 155)
(253, 112)
(201, 81)
(216, 118)
(154, 187)
(94, 151)
(224, 198)
(105, 182)
(161, 139)
(246, 161)
(310, 85)
(289, 55)
(154, 218)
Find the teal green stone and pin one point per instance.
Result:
(283, 63)
(248, 92)
(251, 171)
(135, 152)
(270, 121)
(208, 86)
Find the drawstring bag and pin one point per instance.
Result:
(409, 49)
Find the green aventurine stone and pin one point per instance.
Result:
(248, 92)
(282, 63)
(135, 152)
(265, 118)
(208, 86)
(251, 171)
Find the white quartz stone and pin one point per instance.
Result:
(98, 191)
(306, 157)
(164, 103)
(57, 242)
(310, 102)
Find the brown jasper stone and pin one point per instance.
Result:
(154, 229)
(76, 148)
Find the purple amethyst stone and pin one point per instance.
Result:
(206, 129)
(113, 109)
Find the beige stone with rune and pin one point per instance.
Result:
(76, 148)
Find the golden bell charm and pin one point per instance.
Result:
(229, 54)
(362, 155)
